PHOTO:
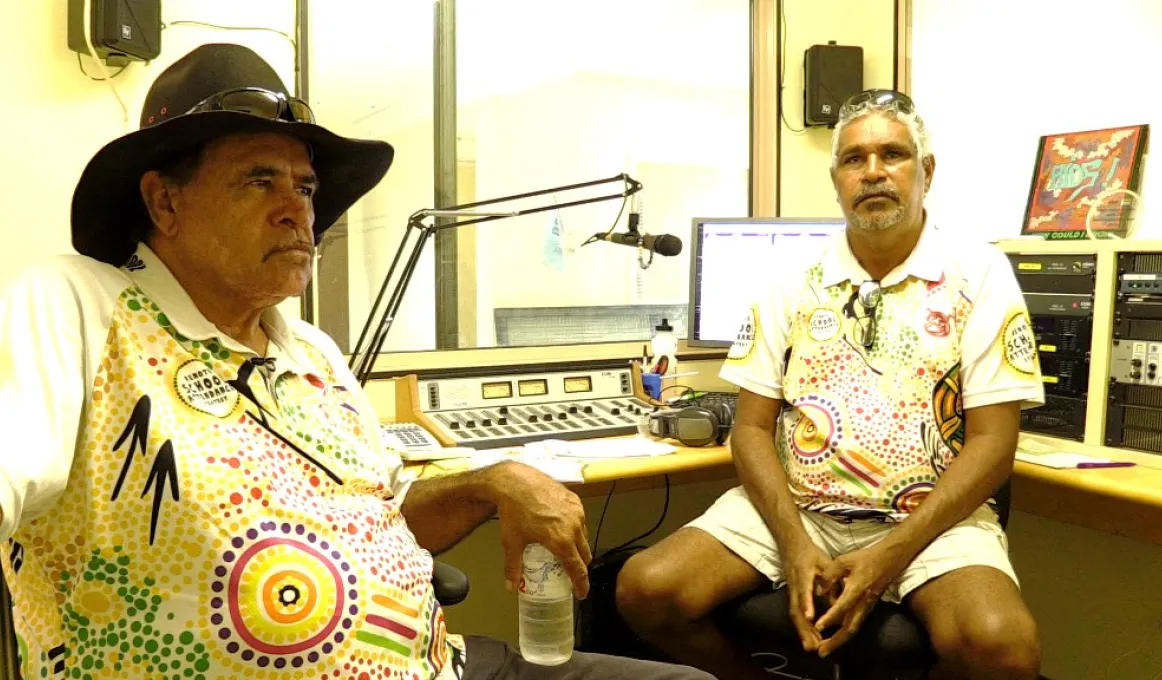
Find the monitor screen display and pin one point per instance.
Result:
(730, 265)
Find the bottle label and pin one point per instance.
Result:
(543, 576)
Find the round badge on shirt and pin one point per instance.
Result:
(823, 325)
(198, 387)
(1020, 349)
(745, 340)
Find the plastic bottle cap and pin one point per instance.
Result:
(664, 326)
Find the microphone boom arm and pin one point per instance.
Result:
(363, 356)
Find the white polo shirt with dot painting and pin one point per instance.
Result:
(867, 431)
(176, 507)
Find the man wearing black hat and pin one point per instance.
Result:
(194, 486)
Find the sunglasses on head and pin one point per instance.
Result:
(881, 97)
(869, 296)
(258, 102)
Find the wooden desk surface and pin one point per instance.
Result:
(684, 465)
(1122, 501)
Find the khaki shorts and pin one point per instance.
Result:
(977, 541)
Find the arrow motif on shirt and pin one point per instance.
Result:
(137, 432)
(164, 471)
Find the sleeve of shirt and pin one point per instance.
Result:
(999, 360)
(755, 360)
(42, 393)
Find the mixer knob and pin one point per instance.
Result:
(588, 409)
(615, 411)
(455, 425)
(487, 422)
(469, 423)
(504, 410)
(562, 416)
(572, 409)
(532, 417)
(502, 421)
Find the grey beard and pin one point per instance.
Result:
(882, 220)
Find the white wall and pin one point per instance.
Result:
(992, 77)
(55, 118)
(805, 178)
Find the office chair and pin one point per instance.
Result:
(450, 584)
(891, 645)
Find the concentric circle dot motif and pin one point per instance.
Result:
(818, 429)
(282, 596)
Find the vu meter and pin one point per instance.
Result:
(497, 390)
(533, 388)
(578, 384)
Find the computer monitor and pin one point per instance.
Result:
(730, 264)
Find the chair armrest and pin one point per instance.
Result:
(450, 584)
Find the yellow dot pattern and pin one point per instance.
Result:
(196, 541)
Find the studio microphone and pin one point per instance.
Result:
(662, 244)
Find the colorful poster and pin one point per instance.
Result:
(1073, 170)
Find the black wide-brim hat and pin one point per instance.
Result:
(108, 210)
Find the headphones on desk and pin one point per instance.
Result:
(693, 425)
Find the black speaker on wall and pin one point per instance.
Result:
(120, 30)
(831, 74)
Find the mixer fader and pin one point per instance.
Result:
(511, 408)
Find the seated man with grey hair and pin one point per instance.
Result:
(881, 388)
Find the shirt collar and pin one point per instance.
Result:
(150, 274)
(926, 261)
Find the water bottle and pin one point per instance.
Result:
(546, 608)
(664, 344)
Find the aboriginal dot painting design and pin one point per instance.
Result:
(818, 430)
(282, 597)
(948, 410)
(221, 522)
(117, 625)
(860, 440)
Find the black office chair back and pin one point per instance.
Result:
(9, 653)
(450, 584)
(1004, 502)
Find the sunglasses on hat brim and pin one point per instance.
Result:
(258, 102)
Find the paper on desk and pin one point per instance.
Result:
(628, 447)
(1059, 459)
(1029, 445)
(562, 470)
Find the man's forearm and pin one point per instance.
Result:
(982, 467)
(765, 481)
(443, 510)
